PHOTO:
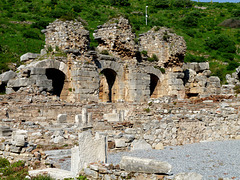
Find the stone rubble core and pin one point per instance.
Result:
(69, 36)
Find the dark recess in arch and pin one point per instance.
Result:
(153, 83)
(57, 78)
(111, 77)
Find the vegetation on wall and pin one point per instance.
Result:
(207, 37)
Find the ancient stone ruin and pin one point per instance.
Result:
(128, 94)
(121, 69)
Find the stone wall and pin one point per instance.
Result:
(116, 38)
(70, 36)
(167, 46)
(198, 82)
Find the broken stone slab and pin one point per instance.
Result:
(52, 172)
(90, 149)
(188, 176)
(6, 76)
(19, 140)
(38, 71)
(120, 143)
(15, 149)
(29, 56)
(140, 145)
(112, 117)
(5, 131)
(135, 164)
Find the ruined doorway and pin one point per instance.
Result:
(58, 78)
(154, 86)
(107, 87)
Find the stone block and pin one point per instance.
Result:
(159, 146)
(9, 91)
(38, 71)
(19, 140)
(78, 119)
(15, 149)
(6, 76)
(120, 143)
(140, 145)
(5, 131)
(46, 83)
(2, 146)
(54, 173)
(29, 56)
(62, 118)
(112, 117)
(91, 173)
(203, 66)
(188, 176)
(90, 149)
(58, 139)
(135, 164)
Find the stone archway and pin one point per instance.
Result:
(108, 85)
(58, 78)
(154, 86)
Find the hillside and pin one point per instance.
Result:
(21, 23)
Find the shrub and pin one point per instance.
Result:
(193, 58)
(222, 43)
(144, 53)
(236, 13)
(147, 110)
(49, 49)
(228, 56)
(183, 3)
(161, 3)
(120, 2)
(232, 66)
(41, 24)
(4, 162)
(29, 33)
(42, 177)
(153, 58)
(190, 21)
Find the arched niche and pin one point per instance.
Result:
(58, 78)
(154, 86)
(108, 85)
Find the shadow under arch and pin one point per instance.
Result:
(58, 78)
(107, 90)
(154, 86)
